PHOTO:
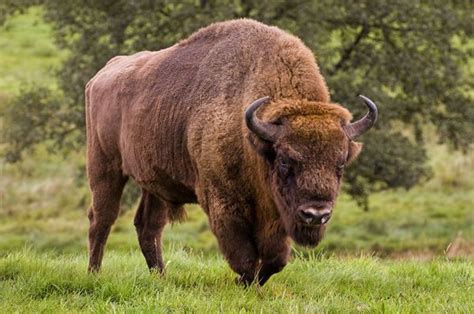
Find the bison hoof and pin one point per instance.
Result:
(244, 280)
(158, 271)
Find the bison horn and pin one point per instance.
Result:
(266, 131)
(356, 129)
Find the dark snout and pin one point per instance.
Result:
(315, 213)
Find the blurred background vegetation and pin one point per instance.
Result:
(416, 172)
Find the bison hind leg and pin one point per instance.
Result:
(152, 215)
(106, 194)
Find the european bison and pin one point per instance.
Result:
(178, 122)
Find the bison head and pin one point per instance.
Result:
(306, 145)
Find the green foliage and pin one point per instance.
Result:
(395, 166)
(406, 55)
(36, 115)
(32, 282)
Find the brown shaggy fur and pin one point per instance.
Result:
(173, 121)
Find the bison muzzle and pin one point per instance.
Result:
(237, 118)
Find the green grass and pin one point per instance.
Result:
(51, 283)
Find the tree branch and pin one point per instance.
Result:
(346, 54)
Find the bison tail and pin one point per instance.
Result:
(177, 214)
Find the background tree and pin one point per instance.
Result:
(409, 56)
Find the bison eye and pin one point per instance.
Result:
(340, 170)
(283, 164)
(284, 167)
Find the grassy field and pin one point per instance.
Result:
(51, 283)
(412, 252)
(27, 53)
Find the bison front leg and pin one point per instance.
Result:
(274, 250)
(150, 219)
(271, 266)
(234, 236)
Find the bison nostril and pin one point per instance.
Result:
(314, 216)
(325, 218)
(308, 215)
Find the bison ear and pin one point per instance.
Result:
(263, 148)
(354, 151)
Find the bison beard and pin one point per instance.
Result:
(307, 236)
(178, 122)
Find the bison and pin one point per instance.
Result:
(237, 118)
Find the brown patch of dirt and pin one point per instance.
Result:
(458, 248)
(416, 255)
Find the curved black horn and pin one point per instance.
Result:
(356, 129)
(266, 131)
